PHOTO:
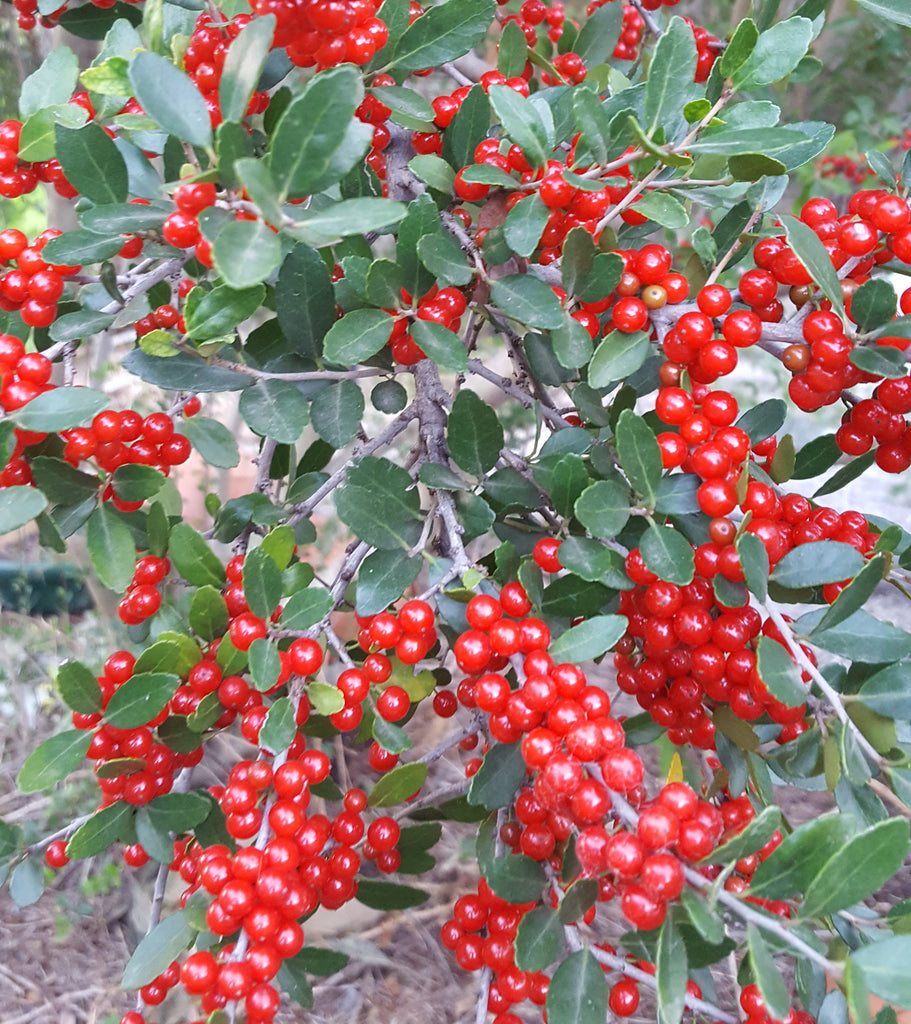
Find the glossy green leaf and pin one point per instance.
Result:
(741, 45)
(398, 784)
(618, 356)
(246, 252)
(79, 688)
(214, 442)
(522, 122)
(474, 434)
(243, 66)
(158, 950)
(92, 163)
(443, 33)
(140, 699)
(858, 869)
(208, 613)
(219, 311)
(305, 608)
(193, 558)
(440, 344)
(383, 578)
(112, 550)
(184, 372)
(578, 991)
(305, 301)
(764, 419)
(380, 505)
(779, 673)
(673, 64)
(276, 409)
(816, 457)
(668, 554)
(801, 856)
(524, 224)
(81, 247)
(388, 895)
(640, 456)
(539, 939)
(170, 98)
(842, 477)
(588, 559)
(589, 639)
(776, 53)
(134, 482)
(359, 335)
(60, 409)
(497, 780)
(826, 561)
(54, 760)
(528, 300)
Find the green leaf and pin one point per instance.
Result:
(668, 554)
(512, 50)
(593, 123)
(208, 613)
(140, 699)
(527, 299)
(92, 163)
(397, 785)
(882, 361)
(265, 664)
(855, 595)
(474, 434)
(766, 975)
(440, 344)
(220, 310)
(572, 344)
(752, 167)
(104, 828)
(349, 217)
(54, 760)
(81, 247)
(598, 36)
(183, 372)
(826, 561)
(809, 249)
(469, 126)
(539, 939)
(873, 304)
(305, 300)
(673, 64)
(442, 256)
(779, 673)
(262, 581)
(317, 139)
(383, 577)
(588, 559)
(522, 122)
(603, 508)
(135, 482)
(664, 209)
(326, 699)
(75, 326)
(305, 608)
(885, 964)
(618, 356)
(243, 65)
(79, 688)
(590, 639)
(19, 505)
(193, 558)
(380, 505)
(516, 878)
(567, 482)
(275, 408)
(524, 224)
(670, 973)
(61, 483)
(443, 33)
(816, 457)
(578, 991)
(279, 728)
(412, 109)
(158, 950)
(170, 98)
(26, 884)
(498, 779)
(388, 895)
(214, 442)
(112, 550)
(336, 412)
(855, 468)
(707, 923)
(359, 335)
(640, 456)
(861, 637)
(54, 82)
(776, 53)
(888, 692)
(741, 45)
(859, 868)
(755, 561)
(801, 856)
(753, 838)
(246, 252)
(60, 409)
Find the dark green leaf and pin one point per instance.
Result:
(764, 419)
(861, 637)
(383, 578)
(802, 856)
(474, 433)
(590, 639)
(826, 561)
(184, 372)
(859, 868)
(578, 991)
(855, 468)
(524, 224)
(668, 554)
(276, 409)
(528, 300)
(883, 361)
(265, 664)
(81, 247)
(670, 973)
(214, 442)
(134, 482)
(603, 508)
(79, 688)
(412, 109)
(262, 581)
(92, 163)
(336, 412)
(53, 760)
(380, 505)
(305, 302)
(53, 82)
(279, 728)
(349, 217)
(753, 838)
(855, 595)
(112, 550)
(539, 939)
(26, 884)
(776, 53)
(442, 256)
(766, 975)
(305, 608)
(708, 924)
(816, 457)
(598, 36)
(193, 558)
(888, 692)
(359, 335)
(467, 128)
(208, 613)
(885, 966)
(169, 97)
(873, 304)
(640, 456)
(440, 344)
(246, 252)
(673, 64)
(443, 33)
(779, 673)
(586, 558)
(219, 311)
(496, 782)
(388, 896)
(397, 785)
(140, 699)
(618, 356)
(741, 45)
(383, 285)
(75, 326)
(158, 950)
(516, 878)
(755, 561)
(522, 122)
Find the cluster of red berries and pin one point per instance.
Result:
(165, 316)
(119, 438)
(443, 306)
(181, 228)
(32, 287)
(855, 172)
(204, 61)
(321, 34)
(880, 420)
(143, 598)
(19, 177)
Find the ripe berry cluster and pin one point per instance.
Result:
(32, 287)
(320, 34)
(19, 177)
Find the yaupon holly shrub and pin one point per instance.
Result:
(475, 276)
